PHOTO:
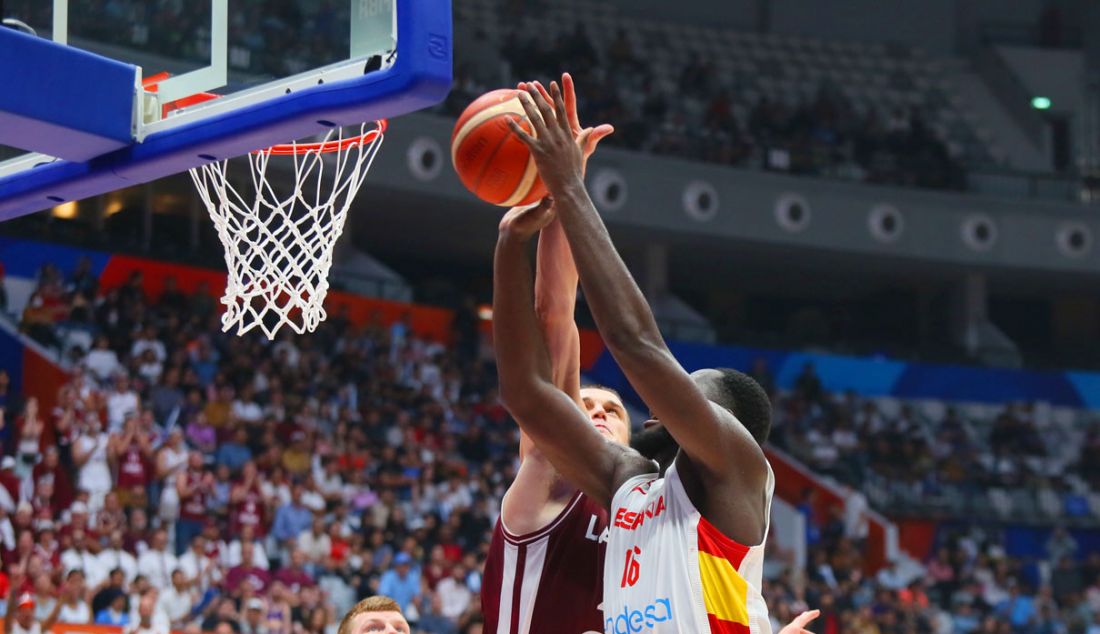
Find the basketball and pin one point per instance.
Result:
(491, 161)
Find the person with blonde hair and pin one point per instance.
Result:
(375, 615)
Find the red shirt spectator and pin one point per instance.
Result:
(50, 470)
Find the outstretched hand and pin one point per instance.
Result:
(588, 138)
(559, 156)
(798, 626)
(524, 222)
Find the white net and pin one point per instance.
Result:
(279, 246)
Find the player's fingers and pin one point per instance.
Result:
(520, 132)
(802, 619)
(570, 100)
(600, 132)
(542, 91)
(534, 114)
(544, 108)
(559, 108)
(543, 206)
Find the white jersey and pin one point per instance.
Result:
(669, 571)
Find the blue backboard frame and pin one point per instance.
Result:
(419, 77)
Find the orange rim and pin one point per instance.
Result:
(288, 149)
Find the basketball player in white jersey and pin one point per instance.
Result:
(544, 571)
(686, 543)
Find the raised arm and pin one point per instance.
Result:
(554, 420)
(556, 286)
(709, 435)
(555, 302)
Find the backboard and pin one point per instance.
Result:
(111, 93)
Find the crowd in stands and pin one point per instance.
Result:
(1018, 462)
(695, 118)
(970, 585)
(212, 479)
(193, 480)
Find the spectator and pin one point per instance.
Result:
(148, 620)
(294, 576)
(101, 598)
(194, 488)
(432, 620)
(90, 455)
(20, 617)
(246, 572)
(315, 543)
(102, 361)
(291, 519)
(177, 600)
(235, 453)
(1061, 545)
(255, 619)
(808, 385)
(82, 558)
(116, 613)
(116, 557)
(454, 596)
(9, 484)
(157, 563)
(200, 571)
(234, 552)
(402, 582)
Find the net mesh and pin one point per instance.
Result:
(279, 246)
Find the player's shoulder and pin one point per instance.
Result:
(525, 525)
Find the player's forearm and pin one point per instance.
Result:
(556, 277)
(523, 363)
(617, 304)
(555, 303)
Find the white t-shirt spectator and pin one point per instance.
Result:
(176, 604)
(95, 475)
(119, 405)
(159, 623)
(232, 556)
(102, 363)
(315, 547)
(248, 411)
(455, 597)
(124, 561)
(313, 500)
(94, 571)
(157, 566)
(77, 614)
(202, 569)
(141, 345)
(150, 371)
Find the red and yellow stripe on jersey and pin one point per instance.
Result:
(725, 591)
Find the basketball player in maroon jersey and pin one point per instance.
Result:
(545, 566)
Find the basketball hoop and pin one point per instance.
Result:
(279, 247)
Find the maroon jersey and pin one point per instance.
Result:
(549, 581)
(133, 469)
(193, 507)
(249, 512)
